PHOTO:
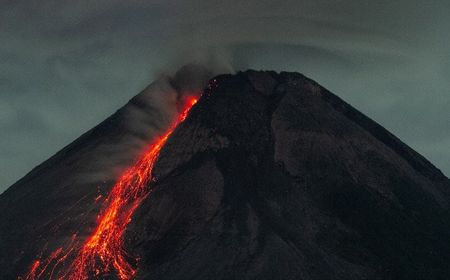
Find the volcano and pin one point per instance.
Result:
(265, 176)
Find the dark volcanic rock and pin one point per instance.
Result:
(270, 177)
(274, 177)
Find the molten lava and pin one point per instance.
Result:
(102, 253)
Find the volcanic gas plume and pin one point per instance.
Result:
(103, 252)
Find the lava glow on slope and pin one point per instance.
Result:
(102, 254)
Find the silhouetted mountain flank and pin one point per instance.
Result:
(271, 176)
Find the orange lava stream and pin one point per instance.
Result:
(102, 253)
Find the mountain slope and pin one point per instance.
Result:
(274, 177)
(271, 176)
(62, 196)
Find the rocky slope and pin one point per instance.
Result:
(270, 177)
(63, 195)
(274, 177)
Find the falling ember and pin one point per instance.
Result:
(102, 253)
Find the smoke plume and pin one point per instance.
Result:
(67, 65)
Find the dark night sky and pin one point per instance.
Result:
(67, 65)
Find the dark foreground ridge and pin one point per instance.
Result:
(270, 177)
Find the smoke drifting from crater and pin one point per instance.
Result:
(144, 117)
(67, 65)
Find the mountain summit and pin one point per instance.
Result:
(270, 176)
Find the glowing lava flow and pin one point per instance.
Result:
(102, 254)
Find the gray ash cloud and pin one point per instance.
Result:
(67, 65)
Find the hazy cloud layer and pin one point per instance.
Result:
(67, 65)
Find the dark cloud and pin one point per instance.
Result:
(66, 65)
